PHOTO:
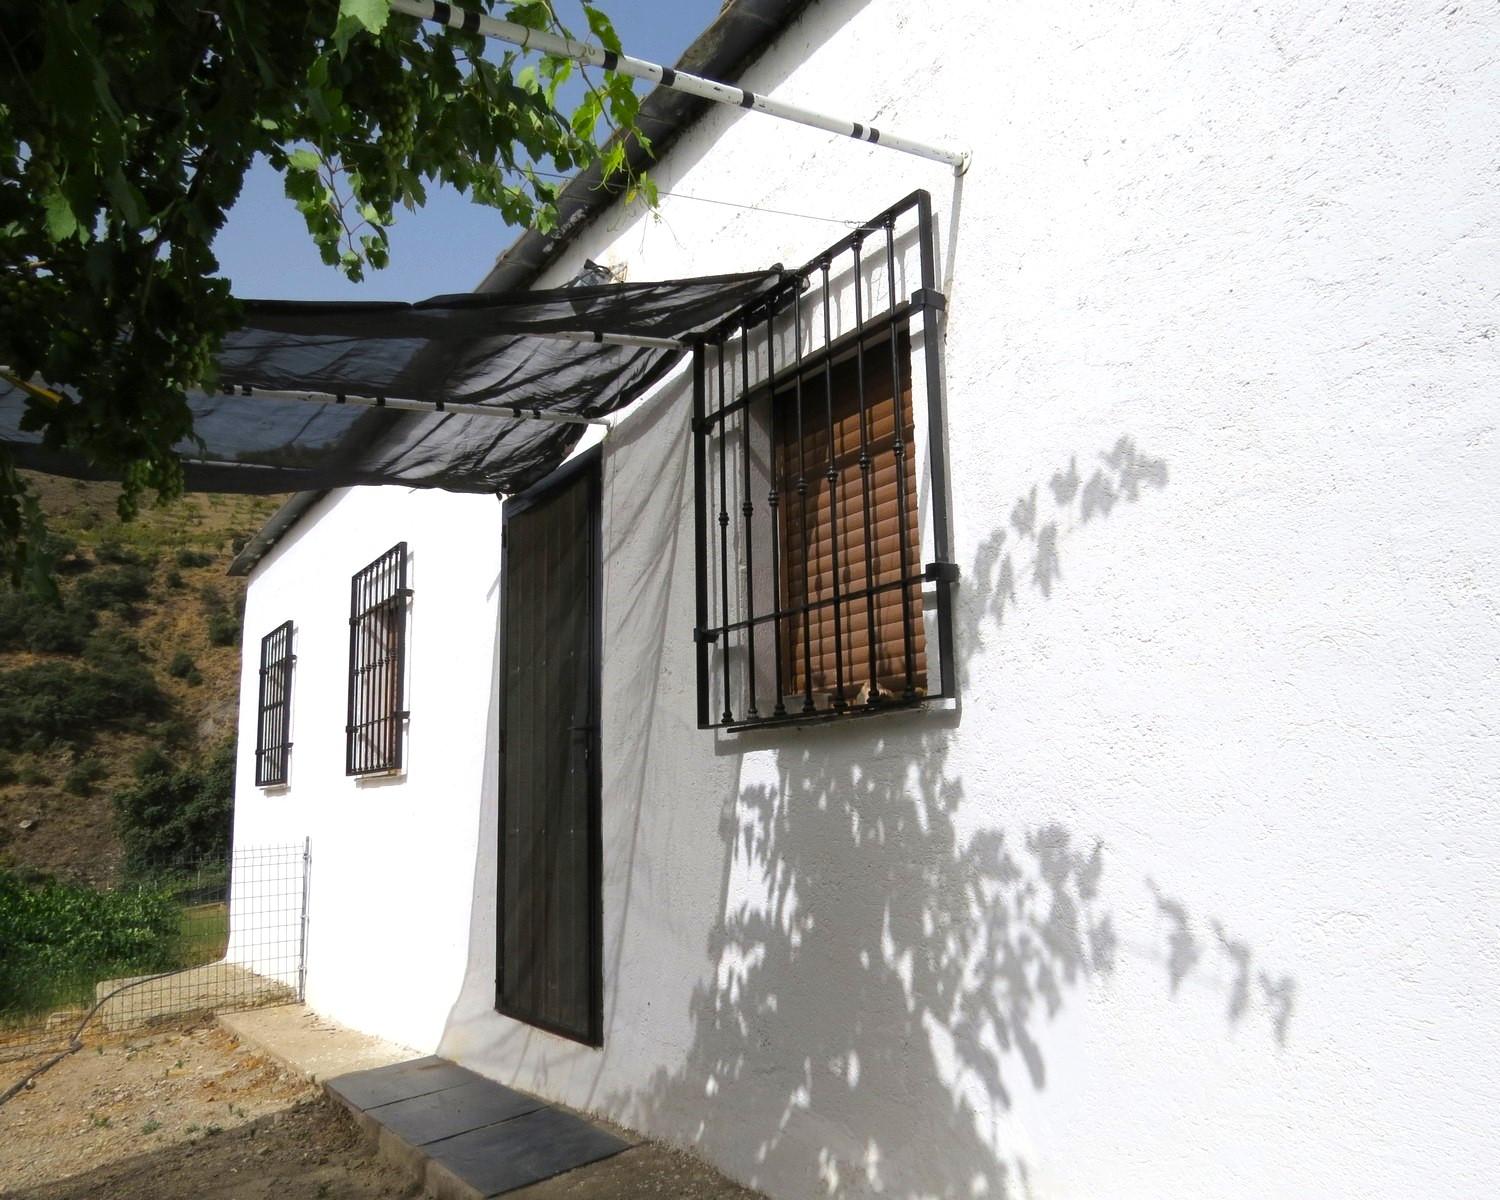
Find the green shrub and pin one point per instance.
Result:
(223, 629)
(117, 589)
(72, 564)
(174, 732)
(82, 776)
(176, 814)
(8, 773)
(113, 648)
(187, 557)
(61, 702)
(33, 776)
(58, 630)
(60, 939)
(33, 623)
(174, 579)
(109, 550)
(181, 666)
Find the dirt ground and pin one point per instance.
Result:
(181, 1114)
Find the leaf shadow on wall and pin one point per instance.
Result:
(881, 977)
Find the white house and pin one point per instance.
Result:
(1165, 865)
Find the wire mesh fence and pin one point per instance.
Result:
(171, 940)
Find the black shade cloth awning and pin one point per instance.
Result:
(494, 351)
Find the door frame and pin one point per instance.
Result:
(587, 465)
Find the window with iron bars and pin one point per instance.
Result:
(375, 730)
(273, 729)
(824, 581)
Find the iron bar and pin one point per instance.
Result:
(898, 448)
(833, 493)
(747, 509)
(807, 685)
(937, 457)
(774, 501)
(681, 81)
(864, 471)
(353, 720)
(765, 618)
(724, 538)
(700, 533)
(302, 931)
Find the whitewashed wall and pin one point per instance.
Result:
(391, 882)
(1195, 897)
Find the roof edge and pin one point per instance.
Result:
(275, 528)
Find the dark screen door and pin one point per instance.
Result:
(549, 902)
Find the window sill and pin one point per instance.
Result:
(829, 716)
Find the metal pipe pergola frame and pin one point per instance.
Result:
(694, 85)
(497, 409)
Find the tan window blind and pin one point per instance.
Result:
(868, 552)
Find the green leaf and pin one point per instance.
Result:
(372, 14)
(61, 223)
(304, 160)
(128, 200)
(602, 28)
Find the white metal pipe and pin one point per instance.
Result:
(609, 339)
(500, 409)
(681, 81)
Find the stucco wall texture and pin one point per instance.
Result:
(1194, 895)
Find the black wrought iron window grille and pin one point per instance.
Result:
(376, 727)
(273, 727)
(824, 571)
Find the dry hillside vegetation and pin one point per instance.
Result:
(141, 656)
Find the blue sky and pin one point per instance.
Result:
(446, 246)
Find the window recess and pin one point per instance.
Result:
(273, 729)
(376, 725)
(824, 573)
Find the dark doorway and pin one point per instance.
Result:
(549, 916)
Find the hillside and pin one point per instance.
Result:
(142, 656)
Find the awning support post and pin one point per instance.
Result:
(680, 81)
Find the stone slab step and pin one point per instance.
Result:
(467, 1137)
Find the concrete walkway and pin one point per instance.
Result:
(309, 1045)
(464, 1137)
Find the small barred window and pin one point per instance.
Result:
(273, 728)
(377, 665)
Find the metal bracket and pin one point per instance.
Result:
(705, 637)
(941, 572)
(925, 298)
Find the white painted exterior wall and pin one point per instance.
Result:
(391, 882)
(1221, 375)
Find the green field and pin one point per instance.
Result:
(61, 939)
